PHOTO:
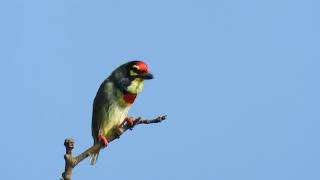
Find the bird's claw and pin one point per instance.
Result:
(103, 140)
(130, 121)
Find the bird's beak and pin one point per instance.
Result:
(146, 75)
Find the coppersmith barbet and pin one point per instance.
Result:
(114, 99)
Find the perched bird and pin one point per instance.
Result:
(114, 99)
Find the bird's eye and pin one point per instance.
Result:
(135, 69)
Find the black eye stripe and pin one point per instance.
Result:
(135, 70)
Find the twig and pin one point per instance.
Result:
(71, 162)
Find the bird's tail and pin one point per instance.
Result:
(94, 158)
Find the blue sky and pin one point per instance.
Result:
(239, 81)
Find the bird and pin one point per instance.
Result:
(113, 100)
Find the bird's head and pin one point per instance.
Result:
(131, 75)
(138, 69)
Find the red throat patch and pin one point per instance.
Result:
(129, 98)
(142, 66)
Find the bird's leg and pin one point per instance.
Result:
(103, 139)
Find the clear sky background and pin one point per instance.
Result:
(239, 81)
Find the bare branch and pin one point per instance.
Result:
(71, 162)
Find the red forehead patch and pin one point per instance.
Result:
(142, 66)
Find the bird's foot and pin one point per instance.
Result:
(130, 121)
(103, 140)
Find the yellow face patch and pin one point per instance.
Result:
(132, 73)
(136, 86)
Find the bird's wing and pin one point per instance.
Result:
(100, 105)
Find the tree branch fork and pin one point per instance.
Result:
(72, 161)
